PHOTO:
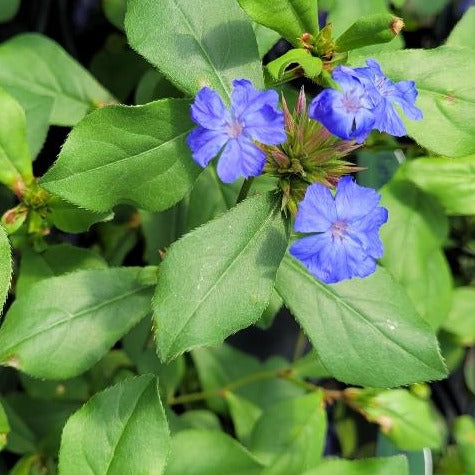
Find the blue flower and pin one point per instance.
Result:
(346, 113)
(403, 93)
(343, 239)
(253, 116)
(365, 102)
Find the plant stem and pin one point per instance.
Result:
(285, 373)
(246, 186)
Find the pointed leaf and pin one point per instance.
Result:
(32, 64)
(120, 430)
(290, 435)
(201, 452)
(244, 415)
(462, 34)
(210, 288)
(5, 266)
(62, 325)
(290, 18)
(140, 157)
(199, 43)
(386, 344)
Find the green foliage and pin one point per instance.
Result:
(375, 320)
(207, 291)
(464, 431)
(311, 65)
(451, 181)
(290, 18)
(122, 429)
(25, 75)
(413, 238)
(48, 334)
(288, 437)
(8, 9)
(146, 144)
(461, 318)
(462, 34)
(15, 159)
(217, 50)
(5, 266)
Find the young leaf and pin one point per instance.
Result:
(443, 79)
(25, 73)
(462, 34)
(407, 420)
(15, 159)
(382, 340)
(210, 288)
(120, 430)
(244, 415)
(71, 218)
(55, 260)
(5, 266)
(290, 18)
(464, 432)
(376, 466)
(4, 427)
(451, 181)
(289, 436)
(461, 319)
(311, 65)
(140, 157)
(412, 239)
(223, 365)
(369, 30)
(201, 452)
(62, 325)
(199, 43)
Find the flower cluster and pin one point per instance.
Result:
(365, 102)
(304, 150)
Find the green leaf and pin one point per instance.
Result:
(469, 370)
(265, 37)
(464, 432)
(446, 98)
(208, 289)
(407, 420)
(198, 419)
(24, 72)
(461, 319)
(120, 430)
(200, 452)
(75, 389)
(55, 260)
(412, 238)
(289, 436)
(290, 18)
(451, 181)
(8, 9)
(369, 30)
(140, 157)
(223, 365)
(386, 343)
(344, 13)
(423, 8)
(462, 34)
(152, 86)
(244, 414)
(114, 10)
(4, 427)
(15, 159)
(191, 52)
(267, 318)
(311, 65)
(5, 266)
(70, 218)
(62, 325)
(376, 466)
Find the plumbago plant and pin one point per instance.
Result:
(238, 185)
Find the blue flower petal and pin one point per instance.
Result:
(266, 126)
(327, 109)
(388, 120)
(240, 157)
(245, 99)
(316, 211)
(352, 201)
(406, 98)
(208, 110)
(205, 144)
